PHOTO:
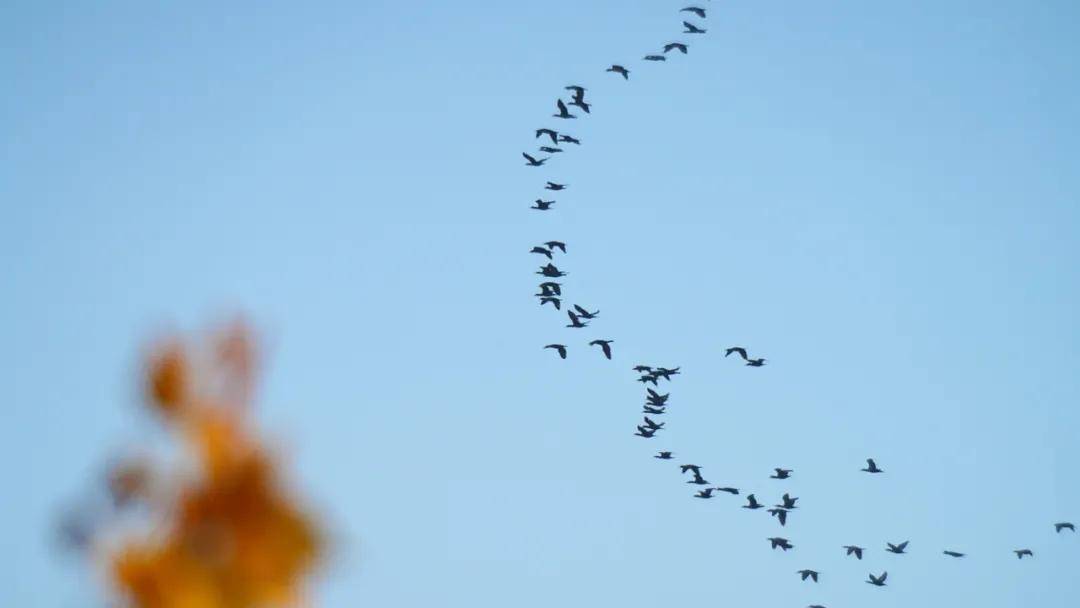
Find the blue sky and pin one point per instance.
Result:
(880, 198)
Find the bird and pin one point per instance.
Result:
(755, 362)
(550, 270)
(559, 347)
(871, 467)
(698, 479)
(532, 162)
(579, 100)
(781, 514)
(656, 398)
(789, 502)
(542, 205)
(700, 12)
(575, 322)
(781, 474)
(642, 368)
(732, 491)
(953, 554)
(550, 150)
(691, 28)
(551, 300)
(648, 378)
(554, 135)
(658, 411)
(878, 581)
(585, 314)
(782, 543)
(665, 372)
(805, 574)
(897, 549)
(569, 140)
(655, 58)
(736, 349)
(604, 345)
(853, 550)
(652, 424)
(554, 186)
(752, 503)
(576, 89)
(1020, 553)
(663, 456)
(671, 46)
(618, 69)
(553, 245)
(706, 493)
(644, 432)
(563, 111)
(1064, 526)
(554, 288)
(542, 251)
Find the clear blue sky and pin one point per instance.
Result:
(880, 198)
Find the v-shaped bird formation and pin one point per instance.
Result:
(656, 403)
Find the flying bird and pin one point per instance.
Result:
(569, 140)
(752, 503)
(665, 372)
(554, 186)
(554, 135)
(671, 46)
(782, 543)
(585, 314)
(953, 554)
(655, 58)
(604, 345)
(642, 368)
(755, 362)
(532, 162)
(563, 111)
(618, 69)
(550, 150)
(652, 410)
(575, 322)
(579, 101)
(644, 432)
(663, 456)
(542, 251)
(853, 550)
(871, 467)
(691, 28)
(878, 581)
(736, 349)
(897, 549)
(553, 245)
(781, 514)
(706, 493)
(698, 479)
(789, 502)
(551, 300)
(554, 288)
(559, 347)
(656, 398)
(1064, 526)
(576, 89)
(550, 271)
(805, 574)
(1020, 553)
(700, 12)
(781, 474)
(732, 491)
(648, 378)
(650, 423)
(540, 205)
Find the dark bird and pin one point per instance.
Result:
(656, 398)
(550, 150)
(897, 549)
(604, 345)
(805, 574)
(532, 162)
(671, 46)
(563, 111)
(550, 271)
(666, 373)
(691, 28)
(575, 322)
(953, 554)
(752, 503)
(554, 135)
(782, 543)
(561, 246)
(542, 205)
(663, 456)
(706, 493)
(659, 411)
(853, 550)
(780, 514)
(644, 432)
(642, 368)
(689, 467)
(618, 69)
(559, 347)
(698, 479)
(554, 288)
(655, 58)
(789, 502)
(576, 89)
(1064, 526)
(878, 581)
(648, 378)
(736, 349)
(569, 140)
(781, 474)
(650, 423)
(732, 491)
(755, 362)
(542, 251)
(554, 186)
(584, 314)
(700, 12)
(551, 300)
(871, 467)
(1020, 553)
(579, 101)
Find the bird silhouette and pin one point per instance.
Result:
(554, 186)
(706, 493)
(550, 150)
(780, 514)
(897, 549)
(554, 135)
(736, 349)
(1020, 553)
(789, 502)
(732, 491)
(878, 581)
(871, 467)
(698, 479)
(642, 368)
(1064, 526)
(542, 205)
(953, 554)
(575, 322)
(532, 162)
(691, 28)
(553, 245)
(579, 101)
(853, 550)
(585, 314)
(675, 46)
(563, 111)
(652, 424)
(700, 12)
(782, 543)
(811, 574)
(663, 456)
(781, 474)
(577, 90)
(561, 348)
(569, 140)
(656, 398)
(618, 69)
(653, 410)
(544, 251)
(648, 378)
(550, 270)
(556, 302)
(755, 362)
(655, 58)
(752, 503)
(666, 373)
(554, 288)
(604, 345)
(644, 432)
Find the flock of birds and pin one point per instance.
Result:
(656, 404)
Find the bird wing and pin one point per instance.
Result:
(870, 463)
(562, 107)
(903, 545)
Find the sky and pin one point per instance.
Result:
(879, 198)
